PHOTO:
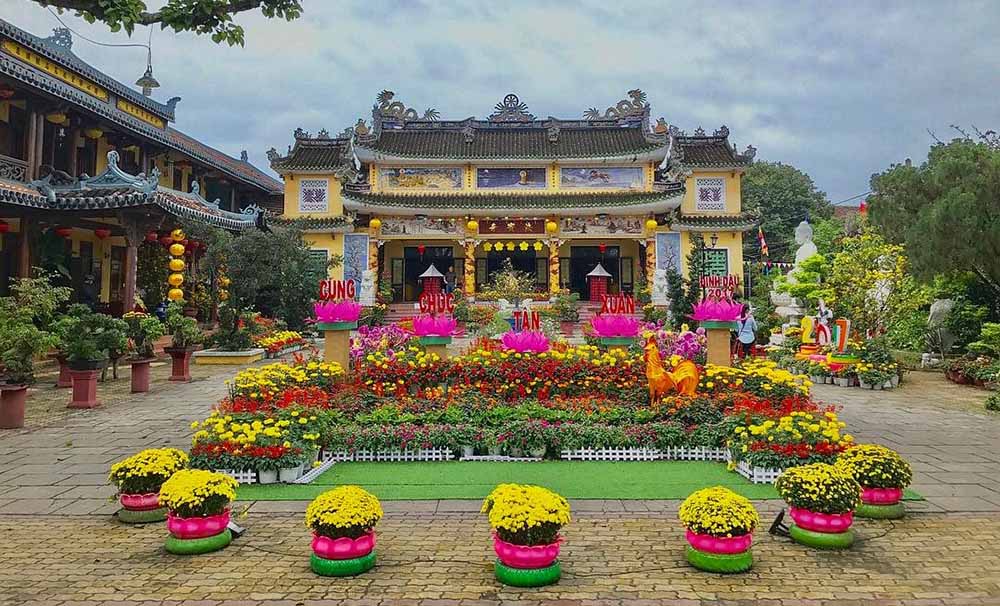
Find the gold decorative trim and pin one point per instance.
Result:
(137, 112)
(53, 69)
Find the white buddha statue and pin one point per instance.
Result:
(804, 238)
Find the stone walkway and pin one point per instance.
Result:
(437, 553)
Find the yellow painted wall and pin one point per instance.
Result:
(733, 192)
(729, 240)
(333, 244)
(292, 185)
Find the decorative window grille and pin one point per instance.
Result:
(313, 196)
(710, 195)
(716, 261)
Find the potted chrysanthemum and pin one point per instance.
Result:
(139, 479)
(883, 475)
(343, 524)
(198, 510)
(720, 525)
(526, 521)
(822, 499)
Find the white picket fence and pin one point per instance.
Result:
(423, 454)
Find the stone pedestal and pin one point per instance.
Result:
(84, 389)
(140, 375)
(337, 342)
(64, 379)
(180, 363)
(436, 345)
(718, 333)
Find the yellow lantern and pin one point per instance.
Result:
(472, 225)
(551, 227)
(56, 117)
(175, 294)
(93, 133)
(510, 246)
(177, 235)
(488, 246)
(175, 280)
(225, 281)
(651, 224)
(176, 265)
(375, 223)
(176, 249)
(223, 295)
(523, 245)
(538, 246)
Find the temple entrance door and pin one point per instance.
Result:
(583, 259)
(415, 264)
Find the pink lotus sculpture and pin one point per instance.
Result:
(615, 325)
(337, 311)
(525, 341)
(715, 310)
(434, 326)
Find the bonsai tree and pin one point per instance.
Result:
(143, 331)
(25, 319)
(510, 284)
(183, 330)
(90, 338)
(236, 329)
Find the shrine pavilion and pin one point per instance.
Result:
(557, 197)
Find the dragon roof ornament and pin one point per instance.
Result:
(385, 107)
(636, 107)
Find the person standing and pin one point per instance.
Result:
(746, 332)
(449, 280)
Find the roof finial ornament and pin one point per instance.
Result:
(360, 128)
(722, 131)
(699, 132)
(273, 155)
(511, 109)
(469, 133)
(661, 127)
(323, 134)
(394, 109)
(244, 156)
(623, 109)
(61, 39)
(553, 133)
(301, 134)
(751, 151)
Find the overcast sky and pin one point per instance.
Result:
(838, 89)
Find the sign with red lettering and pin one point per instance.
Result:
(437, 303)
(335, 290)
(617, 304)
(527, 320)
(719, 287)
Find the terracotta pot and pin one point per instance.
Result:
(64, 379)
(140, 502)
(180, 357)
(343, 548)
(84, 389)
(821, 522)
(197, 528)
(881, 496)
(526, 556)
(12, 404)
(567, 327)
(721, 545)
(140, 375)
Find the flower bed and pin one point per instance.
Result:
(280, 342)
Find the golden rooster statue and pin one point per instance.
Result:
(683, 379)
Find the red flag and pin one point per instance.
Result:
(763, 242)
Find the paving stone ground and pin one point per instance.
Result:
(61, 544)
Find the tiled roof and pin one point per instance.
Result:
(244, 171)
(343, 223)
(58, 48)
(707, 152)
(740, 222)
(311, 154)
(20, 194)
(488, 141)
(515, 201)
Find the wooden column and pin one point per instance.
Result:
(24, 258)
(29, 146)
(39, 142)
(74, 136)
(135, 233)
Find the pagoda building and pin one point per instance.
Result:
(554, 197)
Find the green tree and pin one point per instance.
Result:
(213, 17)
(782, 196)
(809, 282)
(945, 211)
(827, 235)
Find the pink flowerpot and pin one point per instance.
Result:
(526, 556)
(821, 522)
(197, 528)
(722, 545)
(343, 548)
(140, 502)
(881, 496)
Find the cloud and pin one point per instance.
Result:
(840, 90)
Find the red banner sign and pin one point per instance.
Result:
(617, 304)
(334, 290)
(437, 303)
(527, 320)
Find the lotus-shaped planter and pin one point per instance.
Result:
(197, 528)
(525, 556)
(821, 522)
(713, 310)
(615, 325)
(343, 548)
(525, 341)
(434, 326)
(881, 496)
(140, 502)
(720, 545)
(336, 314)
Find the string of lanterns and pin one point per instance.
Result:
(177, 265)
(224, 283)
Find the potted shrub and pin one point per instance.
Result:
(25, 334)
(882, 474)
(87, 348)
(63, 327)
(290, 464)
(143, 331)
(564, 306)
(197, 503)
(822, 499)
(720, 525)
(343, 524)
(526, 521)
(185, 338)
(139, 478)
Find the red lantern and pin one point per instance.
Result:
(64, 232)
(4, 226)
(166, 240)
(151, 236)
(420, 248)
(102, 233)
(602, 247)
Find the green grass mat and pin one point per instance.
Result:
(474, 480)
